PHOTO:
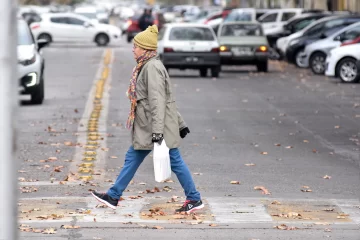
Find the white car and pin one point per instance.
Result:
(274, 20)
(315, 53)
(241, 15)
(341, 62)
(70, 27)
(189, 46)
(31, 63)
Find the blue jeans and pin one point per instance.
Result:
(134, 158)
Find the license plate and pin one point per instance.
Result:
(242, 51)
(192, 59)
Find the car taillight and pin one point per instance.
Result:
(224, 49)
(215, 50)
(262, 49)
(35, 26)
(168, 50)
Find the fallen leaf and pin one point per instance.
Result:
(157, 227)
(212, 225)
(58, 169)
(288, 147)
(249, 164)
(329, 209)
(113, 157)
(68, 144)
(277, 144)
(264, 153)
(305, 141)
(22, 171)
(43, 217)
(235, 182)
(327, 177)
(142, 183)
(263, 189)
(214, 138)
(327, 230)
(336, 127)
(49, 231)
(52, 158)
(198, 174)
(179, 216)
(76, 111)
(285, 227)
(276, 202)
(306, 190)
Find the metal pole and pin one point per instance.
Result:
(8, 102)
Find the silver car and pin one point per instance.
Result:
(30, 63)
(314, 55)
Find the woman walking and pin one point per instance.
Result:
(153, 117)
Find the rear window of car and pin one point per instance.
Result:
(191, 34)
(237, 16)
(237, 30)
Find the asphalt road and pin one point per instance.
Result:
(295, 134)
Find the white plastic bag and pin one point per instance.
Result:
(162, 167)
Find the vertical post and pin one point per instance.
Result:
(8, 102)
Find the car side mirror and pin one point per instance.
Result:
(323, 35)
(41, 43)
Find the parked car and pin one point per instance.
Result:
(133, 24)
(292, 26)
(343, 62)
(31, 63)
(241, 15)
(243, 43)
(70, 27)
(322, 30)
(189, 46)
(274, 20)
(315, 53)
(283, 43)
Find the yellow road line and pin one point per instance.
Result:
(86, 169)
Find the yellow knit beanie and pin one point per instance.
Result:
(147, 39)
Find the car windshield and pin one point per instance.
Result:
(237, 16)
(88, 15)
(191, 34)
(236, 30)
(24, 34)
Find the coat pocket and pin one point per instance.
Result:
(141, 116)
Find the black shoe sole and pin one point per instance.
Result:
(104, 202)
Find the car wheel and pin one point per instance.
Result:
(262, 66)
(347, 70)
(45, 36)
(203, 72)
(215, 72)
(37, 97)
(299, 60)
(317, 63)
(102, 39)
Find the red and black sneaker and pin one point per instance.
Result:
(106, 199)
(190, 206)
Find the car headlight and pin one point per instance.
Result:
(28, 61)
(293, 42)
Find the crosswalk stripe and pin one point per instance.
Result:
(223, 210)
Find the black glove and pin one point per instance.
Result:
(184, 132)
(157, 137)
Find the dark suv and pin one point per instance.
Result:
(324, 28)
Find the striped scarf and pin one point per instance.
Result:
(131, 92)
